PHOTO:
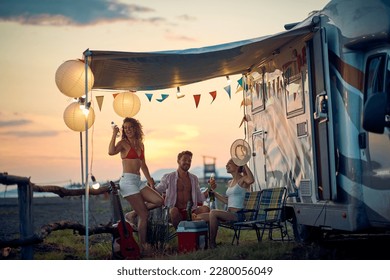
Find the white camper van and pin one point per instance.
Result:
(320, 118)
(319, 113)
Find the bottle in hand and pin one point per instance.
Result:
(211, 192)
(113, 126)
(189, 210)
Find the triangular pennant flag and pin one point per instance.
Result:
(240, 82)
(115, 94)
(197, 99)
(213, 94)
(239, 88)
(149, 96)
(163, 97)
(246, 86)
(227, 88)
(242, 121)
(246, 102)
(246, 118)
(99, 100)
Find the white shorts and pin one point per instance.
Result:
(130, 184)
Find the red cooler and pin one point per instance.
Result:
(192, 235)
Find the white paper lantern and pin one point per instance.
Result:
(126, 104)
(70, 78)
(74, 117)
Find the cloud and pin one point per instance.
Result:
(11, 123)
(25, 125)
(186, 18)
(39, 133)
(65, 12)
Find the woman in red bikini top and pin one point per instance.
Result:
(132, 151)
(132, 154)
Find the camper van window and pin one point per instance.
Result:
(258, 96)
(294, 95)
(375, 79)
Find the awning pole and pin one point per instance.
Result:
(87, 54)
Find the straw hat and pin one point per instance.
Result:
(240, 152)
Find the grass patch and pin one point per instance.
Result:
(65, 245)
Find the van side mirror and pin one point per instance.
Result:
(374, 114)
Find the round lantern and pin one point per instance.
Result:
(74, 117)
(70, 78)
(126, 104)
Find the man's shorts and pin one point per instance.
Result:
(183, 212)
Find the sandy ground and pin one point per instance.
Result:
(51, 209)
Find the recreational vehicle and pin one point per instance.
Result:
(320, 120)
(318, 109)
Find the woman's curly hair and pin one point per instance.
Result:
(139, 134)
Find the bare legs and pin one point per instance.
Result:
(213, 219)
(152, 198)
(176, 216)
(142, 202)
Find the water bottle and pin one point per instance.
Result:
(119, 133)
(189, 210)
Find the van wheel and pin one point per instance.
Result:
(305, 234)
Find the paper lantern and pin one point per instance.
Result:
(70, 78)
(126, 104)
(74, 117)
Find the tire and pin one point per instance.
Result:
(305, 234)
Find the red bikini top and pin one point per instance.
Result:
(132, 154)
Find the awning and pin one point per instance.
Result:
(169, 69)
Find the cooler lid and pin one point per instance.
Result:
(186, 226)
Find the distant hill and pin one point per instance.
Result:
(197, 170)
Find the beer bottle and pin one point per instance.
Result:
(189, 210)
(211, 192)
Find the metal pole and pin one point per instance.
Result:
(82, 174)
(86, 56)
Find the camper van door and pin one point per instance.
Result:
(323, 121)
(376, 171)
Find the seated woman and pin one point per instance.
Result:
(235, 195)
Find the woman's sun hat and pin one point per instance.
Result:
(240, 151)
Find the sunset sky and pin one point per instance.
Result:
(38, 36)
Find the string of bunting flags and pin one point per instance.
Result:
(197, 97)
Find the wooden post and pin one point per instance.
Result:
(25, 195)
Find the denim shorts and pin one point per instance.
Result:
(130, 184)
(240, 216)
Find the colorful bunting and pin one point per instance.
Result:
(246, 118)
(240, 82)
(149, 96)
(99, 100)
(245, 102)
(227, 88)
(197, 99)
(163, 97)
(213, 94)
